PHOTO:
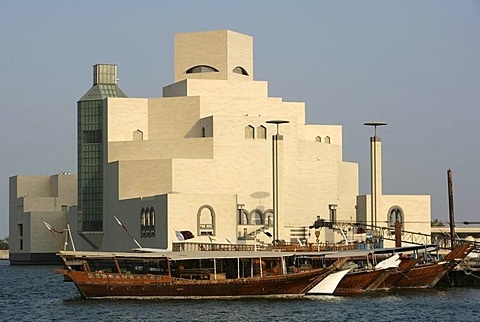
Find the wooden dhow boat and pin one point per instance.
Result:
(357, 281)
(427, 275)
(184, 274)
(394, 272)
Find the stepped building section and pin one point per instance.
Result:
(215, 156)
(200, 157)
(33, 199)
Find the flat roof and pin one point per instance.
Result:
(242, 254)
(177, 255)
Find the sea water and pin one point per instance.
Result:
(36, 293)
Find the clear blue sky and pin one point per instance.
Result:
(413, 64)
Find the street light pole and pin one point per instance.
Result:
(275, 138)
(375, 170)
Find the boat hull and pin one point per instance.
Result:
(428, 275)
(95, 285)
(425, 276)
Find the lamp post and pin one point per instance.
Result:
(275, 138)
(375, 170)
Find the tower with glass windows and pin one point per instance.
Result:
(91, 143)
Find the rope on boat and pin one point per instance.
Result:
(468, 272)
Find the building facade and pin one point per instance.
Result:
(200, 157)
(380, 211)
(33, 199)
(215, 155)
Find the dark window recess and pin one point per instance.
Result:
(92, 136)
(202, 69)
(240, 70)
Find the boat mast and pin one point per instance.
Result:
(261, 271)
(215, 268)
(168, 267)
(451, 208)
(117, 265)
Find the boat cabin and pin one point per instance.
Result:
(192, 266)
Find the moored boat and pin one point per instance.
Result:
(427, 275)
(397, 271)
(199, 274)
(368, 279)
(358, 275)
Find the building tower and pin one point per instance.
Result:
(376, 171)
(91, 142)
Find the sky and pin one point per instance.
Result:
(412, 64)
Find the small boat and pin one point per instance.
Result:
(185, 274)
(393, 272)
(357, 281)
(427, 275)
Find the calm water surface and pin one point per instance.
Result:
(36, 293)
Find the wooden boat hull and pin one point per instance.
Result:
(98, 285)
(428, 275)
(356, 282)
(395, 276)
(424, 276)
(409, 274)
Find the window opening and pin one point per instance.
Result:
(249, 132)
(201, 69)
(395, 215)
(137, 135)
(262, 132)
(206, 221)
(240, 70)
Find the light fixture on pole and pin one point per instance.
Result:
(275, 138)
(375, 170)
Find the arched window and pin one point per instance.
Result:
(206, 220)
(395, 214)
(147, 222)
(327, 139)
(244, 218)
(152, 217)
(240, 70)
(201, 69)
(143, 221)
(261, 132)
(318, 139)
(147, 217)
(249, 132)
(203, 132)
(269, 217)
(137, 135)
(257, 217)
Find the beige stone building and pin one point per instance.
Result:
(31, 199)
(200, 158)
(207, 158)
(380, 210)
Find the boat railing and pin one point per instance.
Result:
(194, 247)
(186, 246)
